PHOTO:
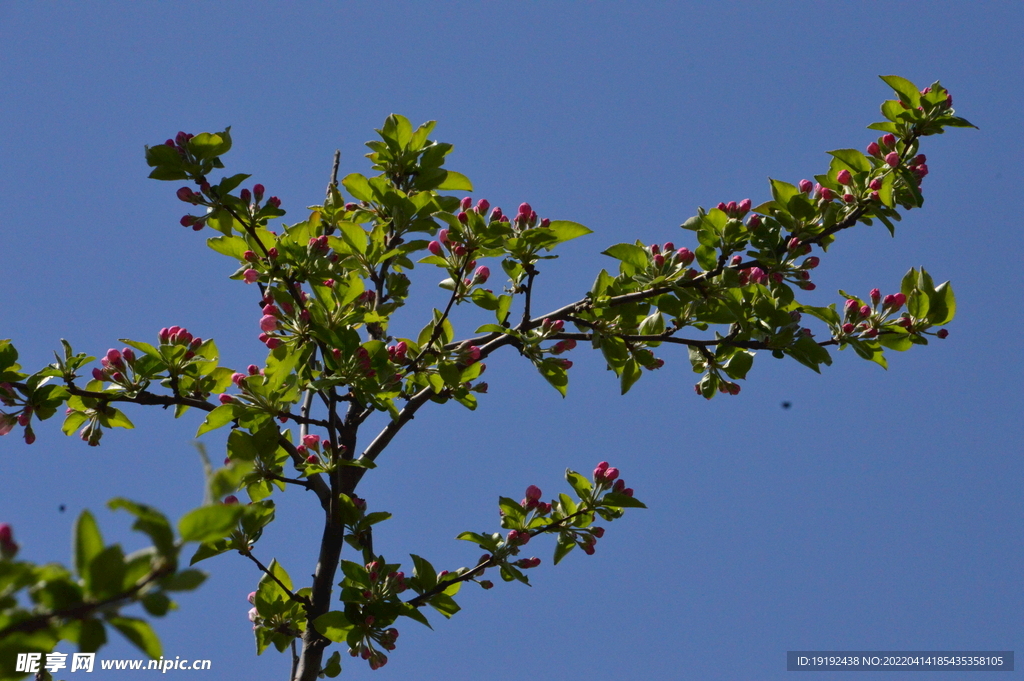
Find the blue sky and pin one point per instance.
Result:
(883, 511)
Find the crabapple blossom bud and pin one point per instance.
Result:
(899, 299)
(187, 220)
(873, 149)
(805, 186)
(892, 159)
(253, 614)
(268, 323)
(844, 177)
(257, 191)
(735, 260)
(851, 305)
(237, 378)
(812, 262)
(252, 594)
(462, 217)
(848, 328)
(226, 399)
(865, 311)
(533, 493)
(754, 222)
(668, 247)
(117, 376)
(849, 198)
(274, 201)
(744, 206)
(827, 194)
(875, 295)
(807, 286)
(870, 333)
(311, 440)
(272, 254)
(163, 335)
(98, 375)
(655, 249)
(686, 256)
(271, 310)
(942, 333)
(875, 184)
(533, 218)
(250, 276)
(889, 140)
(230, 499)
(659, 260)
(610, 474)
(525, 209)
(273, 343)
(129, 355)
(245, 195)
(481, 275)
(466, 203)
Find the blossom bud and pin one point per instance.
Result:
(889, 140)
(848, 328)
(462, 217)
(272, 343)
(686, 256)
(893, 159)
(226, 399)
(805, 186)
(245, 195)
(250, 276)
(844, 177)
(481, 275)
(754, 222)
(610, 474)
(827, 194)
(230, 499)
(659, 260)
(865, 311)
(812, 262)
(873, 149)
(97, 374)
(744, 206)
(187, 220)
(899, 299)
(274, 201)
(311, 440)
(525, 209)
(533, 493)
(268, 323)
(849, 198)
(942, 333)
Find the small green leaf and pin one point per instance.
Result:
(566, 230)
(333, 625)
(630, 254)
(139, 633)
(209, 523)
(88, 541)
(857, 161)
(904, 88)
(221, 416)
(454, 181)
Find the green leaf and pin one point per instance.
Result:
(208, 145)
(942, 306)
(104, 576)
(853, 158)
(885, 193)
(359, 187)
(905, 89)
(142, 347)
(88, 541)
(139, 633)
(566, 230)
(579, 483)
(445, 605)
(631, 373)
(186, 580)
(151, 522)
(783, 191)
(209, 523)
(424, 572)
(221, 416)
(209, 550)
(621, 501)
(631, 254)
(454, 181)
(231, 246)
(157, 603)
(918, 304)
(333, 625)
(333, 666)
(563, 546)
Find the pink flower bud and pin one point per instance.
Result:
(849, 198)
(274, 201)
(865, 311)
(482, 206)
(870, 333)
(462, 217)
(226, 399)
(889, 140)
(754, 222)
(312, 458)
(311, 440)
(899, 299)
(812, 262)
(942, 333)
(600, 469)
(659, 260)
(271, 310)
(273, 343)
(98, 375)
(525, 209)
(730, 207)
(893, 159)
(434, 247)
(744, 206)
(686, 256)
(533, 493)
(466, 203)
(114, 357)
(187, 220)
(805, 186)
(610, 474)
(873, 149)
(245, 195)
(668, 247)
(875, 295)
(268, 323)
(827, 194)
(257, 191)
(272, 254)
(848, 328)
(230, 499)
(844, 177)
(250, 276)
(481, 275)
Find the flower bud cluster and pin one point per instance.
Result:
(735, 210)
(865, 320)
(667, 257)
(532, 501)
(177, 335)
(117, 363)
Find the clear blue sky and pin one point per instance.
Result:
(883, 511)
